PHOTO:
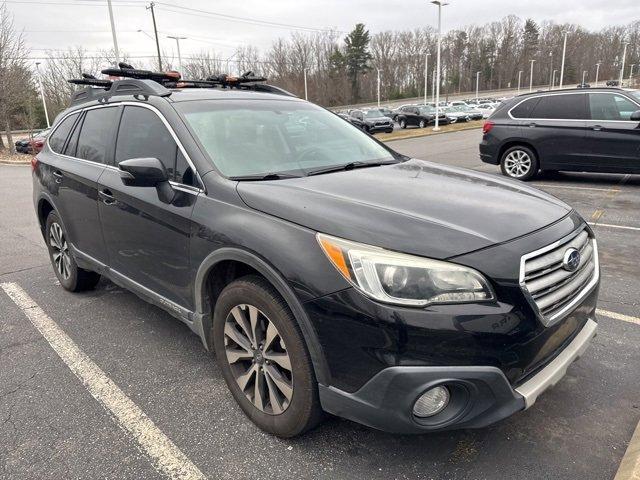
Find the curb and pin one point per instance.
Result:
(431, 132)
(630, 466)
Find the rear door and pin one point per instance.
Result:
(614, 140)
(556, 128)
(147, 239)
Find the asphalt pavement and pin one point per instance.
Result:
(54, 424)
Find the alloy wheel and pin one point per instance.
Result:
(258, 358)
(517, 163)
(60, 254)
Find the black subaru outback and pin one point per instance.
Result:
(327, 272)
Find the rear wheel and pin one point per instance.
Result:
(519, 162)
(263, 358)
(403, 123)
(70, 276)
(422, 124)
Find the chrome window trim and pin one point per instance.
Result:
(556, 317)
(567, 119)
(162, 119)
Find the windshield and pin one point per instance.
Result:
(636, 94)
(252, 138)
(427, 110)
(373, 114)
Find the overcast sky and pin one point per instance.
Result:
(64, 23)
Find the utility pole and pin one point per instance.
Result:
(624, 55)
(379, 87)
(564, 54)
(531, 77)
(113, 33)
(177, 39)
(306, 92)
(440, 4)
(155, 31)
(597, 72)
(426, 70)
(519, 79)
(44, 104)
(477, 85)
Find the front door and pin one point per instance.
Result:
(147, 238)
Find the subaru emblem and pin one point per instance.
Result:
(571, 260)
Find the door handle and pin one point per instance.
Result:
(597, 128)
(533, 125)
(58, 175)
(107, 197)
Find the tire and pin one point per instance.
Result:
(403, 123)
(389, 131)
(422, 124)
(272, 411)
(70, 276)
(519, 162)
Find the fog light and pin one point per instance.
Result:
(431, 402)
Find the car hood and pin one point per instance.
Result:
(415, 207)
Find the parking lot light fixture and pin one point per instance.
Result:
(113, 33)
(553, 79)
(305, 89)
(624, 56)
(477, 84)
(584, 76)
(177, 39)
(519, 80)
(44, 104)
(531, 77)
(597, 72)
(551, 71)
(440, 4)
(631, 73)
(564, 54)
(426, 70)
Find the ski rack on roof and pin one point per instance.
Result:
(132, 81)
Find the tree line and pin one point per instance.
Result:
(340, 69)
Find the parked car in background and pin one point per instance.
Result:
(613, 83)
(583, 85)
(34, 144)
(373, 120)
(486, 108)
(419, 116)
(387, 112)
(594, 130)
(456, 114)
(352, 120)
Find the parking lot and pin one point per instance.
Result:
(52, 426)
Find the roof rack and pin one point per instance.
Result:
(132, 81)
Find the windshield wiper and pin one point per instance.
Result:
(349, 166)
(264, 176)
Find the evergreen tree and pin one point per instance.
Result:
(357, 57)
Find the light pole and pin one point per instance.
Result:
(519, 79)
(306, 91)
(433, 88)
(597, 72)
(379, 87)
(584, 74)
(440, 4)
(624, 55)
(564, 54)
(44, 104)
(113, 33)
(631, 74)
(177, 39)
(477, 85)
(426, 70)
(551, 71)
(531, 77)
(553, 79)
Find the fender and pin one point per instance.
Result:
(203, 316)
(45, 196)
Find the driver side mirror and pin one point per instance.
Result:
(147, 172)
(635, 116)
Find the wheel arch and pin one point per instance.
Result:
(515, 143)
(248, 262)
(44, 207)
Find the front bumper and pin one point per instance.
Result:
(480, 396)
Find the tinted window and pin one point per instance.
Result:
(184, 173)
(607, 106)
(570, 107)
(72, 144)
(95, 135)
(56, 141)
(524, 109)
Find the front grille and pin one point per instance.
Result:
(551, 288)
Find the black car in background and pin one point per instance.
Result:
(352, 120)
(419, 116)
(34, 143)
(325, 270)
(372, 120)
(589, 130)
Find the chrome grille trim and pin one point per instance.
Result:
(552, 291)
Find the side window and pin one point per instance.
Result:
(72, 145)
(59, 136)
(95, 135)
(607, 106)
(184, 173)
(561, 107)
(524, 109)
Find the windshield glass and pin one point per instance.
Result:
(249, 137)
(636, 93)
(427, 110)
(373, 114)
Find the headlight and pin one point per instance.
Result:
(402, 279)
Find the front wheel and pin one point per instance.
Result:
(403, 124)
(519, 162)
(264, 359)
(422, 124)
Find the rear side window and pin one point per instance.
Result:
(561, 107)
(96, 134)
(608, 106)
(143, 135)
(59, 137)
(524, 109)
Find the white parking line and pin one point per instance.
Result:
(164, 455)
(619, 316)
(608, 225)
